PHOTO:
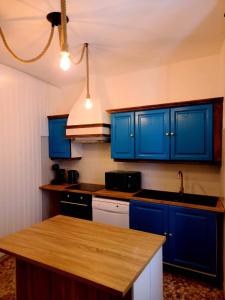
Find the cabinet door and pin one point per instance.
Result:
(122, 135)
(151, 218)
(152, 134)
(191, 132)
(59, 147)
(193, 240)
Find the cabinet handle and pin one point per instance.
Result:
(165, 233)
(131, 135)
(67, 196)
(81, 197)
(170, 234)
(167, 134)
(172, 133)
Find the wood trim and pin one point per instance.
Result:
(87, 135)
(58, 116)
(216, 100)
(217, 130)
(190, 162)
(88, 125)
(64, 158)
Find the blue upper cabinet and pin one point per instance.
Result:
(192, 132)
(122, 135)
(180, 133)
(59, 146)
(152, 128)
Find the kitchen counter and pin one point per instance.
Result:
(99, 257)
(130, 196)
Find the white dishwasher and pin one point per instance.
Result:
(110, 211)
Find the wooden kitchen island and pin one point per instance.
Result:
(66, 258)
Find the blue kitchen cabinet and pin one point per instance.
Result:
(59, 146)
(122, 135)
(193, 238)
(150, 217)
(192, 132)
(191, 233)
(152, 128)
(179, 134)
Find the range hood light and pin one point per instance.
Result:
(88, 104)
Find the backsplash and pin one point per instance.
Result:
(198, 179)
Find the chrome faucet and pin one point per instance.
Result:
(181, 177)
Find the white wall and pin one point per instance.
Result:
(25, 103)
(96, 160)
(187, 80)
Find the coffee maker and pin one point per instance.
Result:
(59, 175)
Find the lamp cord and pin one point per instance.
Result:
(34, 58)
(87, 70)
(63, 39)
(81, 56)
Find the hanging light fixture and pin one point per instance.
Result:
(60, 20)
(88, 104)
(65, 61)
(56, 19)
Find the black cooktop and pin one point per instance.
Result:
(90, 187)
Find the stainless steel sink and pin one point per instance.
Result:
(178, 197)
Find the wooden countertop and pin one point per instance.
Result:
(130, 196)
(106, 256)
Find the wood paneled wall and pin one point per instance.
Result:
(25, 103)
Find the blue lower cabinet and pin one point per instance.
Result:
(152, 218)
(193, 241)
(59, 146)
(122, 135)
(191, 233)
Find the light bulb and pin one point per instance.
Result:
(65, 61)
(88, 104)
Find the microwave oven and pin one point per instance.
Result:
(125, 181)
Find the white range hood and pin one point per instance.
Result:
(89, 125)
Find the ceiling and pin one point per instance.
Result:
(124, 35)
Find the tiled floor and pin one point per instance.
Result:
(7, 279)
(175, 286)
(184, 288)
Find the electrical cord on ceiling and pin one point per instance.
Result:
(63, 35)
(87, 71)
(34, 58)
(62, 28)
(81, 56)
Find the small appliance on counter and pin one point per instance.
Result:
(60, 175)
(125, 181)
(72, 176)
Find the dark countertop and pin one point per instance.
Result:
(130, 196)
